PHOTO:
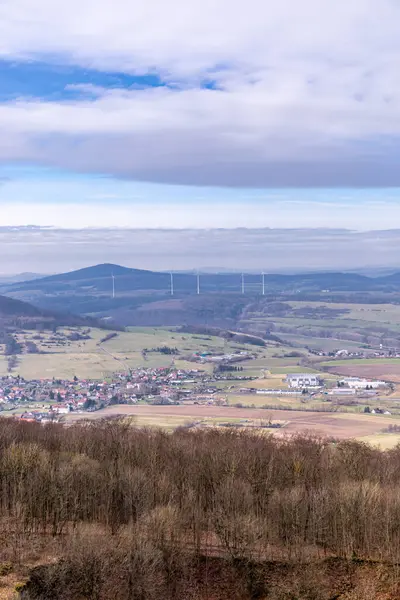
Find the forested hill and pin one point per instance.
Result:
(16, 308)
(18, 313)
(140, 297)
(99, 279)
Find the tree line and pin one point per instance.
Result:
(159, 504)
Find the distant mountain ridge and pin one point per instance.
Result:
(130, 279)
(20, 277)
(140, 297)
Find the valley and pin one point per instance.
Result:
(238, 348)
(168, 378)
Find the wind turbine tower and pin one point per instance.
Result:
(263, 284)
(172, 284)
(113, 285)
(242, 283)
(198, 283)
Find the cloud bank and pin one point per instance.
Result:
(204, 213)
(44, 250)
(261, 93)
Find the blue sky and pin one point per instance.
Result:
(49, 80)
(225, 114)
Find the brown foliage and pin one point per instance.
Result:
(141, 509)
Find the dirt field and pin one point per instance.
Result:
(384, 441)
(330, 424)
(386, 371)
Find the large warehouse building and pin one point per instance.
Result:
(303, 380)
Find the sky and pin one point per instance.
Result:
(200, 115)
(51, 250)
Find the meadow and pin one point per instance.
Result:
(328, 326)
(89, 358)
(93, 359)
(383, 313)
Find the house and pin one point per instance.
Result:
(61, 409)
(303, 380)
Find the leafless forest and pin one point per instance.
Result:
(108, 511)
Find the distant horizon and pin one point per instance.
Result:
(41, 197)
(371, 272)
(60, 250)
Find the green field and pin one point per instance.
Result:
(282, 402)
(316, 343)
(89, 359)
(328, 326)
(360, 361)
(382, 313)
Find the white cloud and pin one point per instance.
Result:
(308, 91)
(188, 37)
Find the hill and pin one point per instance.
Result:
(16, 313)
(95, 279)
(17, 308)
(90, 273)
(98, 278)
(9, 279)
(224, 299)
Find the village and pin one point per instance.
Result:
(49, 400)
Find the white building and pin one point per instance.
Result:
(303, 380)
(62, 410)
(341, 392)
(362, 384)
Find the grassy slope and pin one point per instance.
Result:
(360, 361)
(364, 319)
(383, 313)
(85, 358)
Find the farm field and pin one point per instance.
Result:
(92, 359)
(328, 326)
(383, 313)
(341, 426)
(317, 343)
(269, 381)
(384, 441)
(387, 369)
(361, 361)
(89, 358)
(288, 402)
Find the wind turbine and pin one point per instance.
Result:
(263, 283)
(198, 283)
(172, 284)
(242, 283)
